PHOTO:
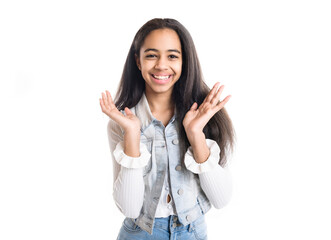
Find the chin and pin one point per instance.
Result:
(160, 89)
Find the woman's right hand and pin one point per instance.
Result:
(129, 123)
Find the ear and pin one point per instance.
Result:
(137, 61)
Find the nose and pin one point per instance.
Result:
(161, 64)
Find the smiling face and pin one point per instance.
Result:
(160, 61)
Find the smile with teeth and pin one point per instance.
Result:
(161, 77)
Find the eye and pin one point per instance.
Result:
(173, 56)
(150, 56)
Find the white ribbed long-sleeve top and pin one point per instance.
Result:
(128, 182)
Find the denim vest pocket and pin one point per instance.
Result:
(130, 226)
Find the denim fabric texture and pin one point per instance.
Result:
(165, 228)
(163, 143)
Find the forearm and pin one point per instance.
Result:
(128, 185)
(215, 180)
(199, 147)
(129, 191)
(217, 185)
(132, 143)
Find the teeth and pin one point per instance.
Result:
(161, 77)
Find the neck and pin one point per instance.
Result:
(160, 103)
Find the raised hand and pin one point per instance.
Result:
(128, 122)
(197, 118)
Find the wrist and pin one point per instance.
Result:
(195, 137)
(132, 144)
(131, 131)
(199, 147)
(200, 151)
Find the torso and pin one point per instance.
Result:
(164, 117)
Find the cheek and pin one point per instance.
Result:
(146, 65)
(178, 68)
(144, 69)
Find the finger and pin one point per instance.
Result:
(101, 103)
(212, 92)
(103, 107)
(110, 99)
(127, 111)
(221, 104)
(104, 100)
(206, 98)
(194, 106)
(216, 98)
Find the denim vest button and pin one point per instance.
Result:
(180, 191)
(169, 206)
(188, 218)
(167, 188)
(175, 141)
(178, 168)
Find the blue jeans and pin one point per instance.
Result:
(165, 228)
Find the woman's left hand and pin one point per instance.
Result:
(197, 118)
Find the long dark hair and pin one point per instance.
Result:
(188, 89)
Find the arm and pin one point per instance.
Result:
(203, 155)
(127, 155)
(217, 185)
(128, 183)
(215, 180)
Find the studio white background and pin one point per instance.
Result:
(56, 57)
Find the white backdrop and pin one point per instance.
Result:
(56, 57)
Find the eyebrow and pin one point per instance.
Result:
(155, 50)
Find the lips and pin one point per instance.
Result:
(161, 79)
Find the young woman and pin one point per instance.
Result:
(169, 136)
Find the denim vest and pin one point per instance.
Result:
(163, 143)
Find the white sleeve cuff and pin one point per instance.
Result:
(131, 162)
(206, 166)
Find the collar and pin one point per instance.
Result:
(143, 112)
